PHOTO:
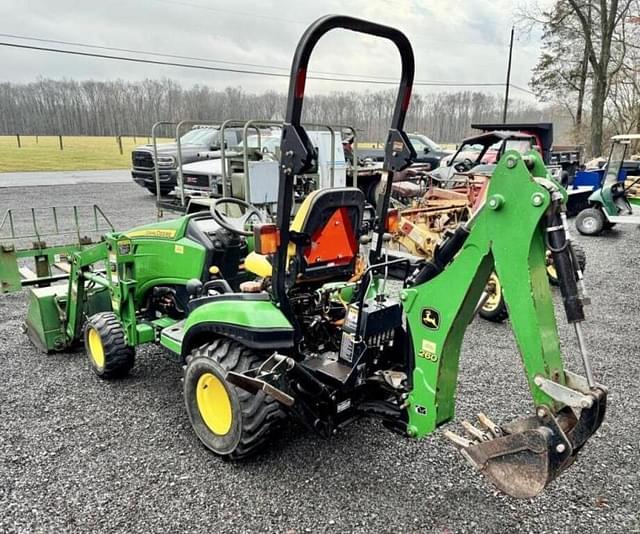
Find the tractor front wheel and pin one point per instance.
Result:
(590, 221)
(106, 346)
(228, 420)
(494, 308)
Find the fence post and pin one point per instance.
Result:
(119, 139)
(18, 138)
(37, 140)
(60, 140)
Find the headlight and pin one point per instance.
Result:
(166, 162)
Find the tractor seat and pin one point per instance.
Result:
(327, 231)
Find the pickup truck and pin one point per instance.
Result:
(197, 141)
(429, 154)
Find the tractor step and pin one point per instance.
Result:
(331, 368)
(171, 336)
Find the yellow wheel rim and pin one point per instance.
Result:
(96, 350)
(551, 268)
(214, 404)
(495, 293)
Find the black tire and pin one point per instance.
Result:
(494, 309)
(106, 346)
(163, 190)
(590, 221)
(581, 256)
(254, 418)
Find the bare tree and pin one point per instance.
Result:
(603, 24)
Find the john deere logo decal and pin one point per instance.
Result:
(431, 318)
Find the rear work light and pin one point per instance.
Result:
(266, 238)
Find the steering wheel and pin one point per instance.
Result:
(235, 225)
(465, 165)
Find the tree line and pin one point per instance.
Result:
(69, 107)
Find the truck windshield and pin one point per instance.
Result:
(201, 136)
(420, 142)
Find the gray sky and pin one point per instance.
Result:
(461, 41)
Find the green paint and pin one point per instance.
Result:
(9, 273)
(145, 333)
(256, 314)
(508, 239)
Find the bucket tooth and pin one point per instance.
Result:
(475, 432)
(488, 424)
(458, 441)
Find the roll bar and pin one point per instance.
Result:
(297, 152)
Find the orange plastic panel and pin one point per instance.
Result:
(335, 243)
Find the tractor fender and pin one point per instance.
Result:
(251, 319)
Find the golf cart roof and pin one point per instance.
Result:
(626, 137)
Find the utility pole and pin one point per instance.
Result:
(506, 91)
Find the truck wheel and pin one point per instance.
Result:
(494, 308)
(581, 256)
(163, 191)
(590, 221)
(106, 346)
(229, 421)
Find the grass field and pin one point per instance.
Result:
(79, 153)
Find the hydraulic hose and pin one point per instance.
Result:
(563, 260)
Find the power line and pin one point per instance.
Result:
(191, 58)
(241, 71)
(174, 56)
(523, 89)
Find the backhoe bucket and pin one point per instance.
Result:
(522, 457)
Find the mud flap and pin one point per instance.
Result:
(521, 458)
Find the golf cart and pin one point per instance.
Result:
(611, 204)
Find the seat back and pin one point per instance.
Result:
(326, 233)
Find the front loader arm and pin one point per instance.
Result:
(507, 236)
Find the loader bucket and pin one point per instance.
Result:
(522, 457)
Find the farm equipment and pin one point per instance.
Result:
(611, 203)
(318, 335)
(37, 258)
(441, 209)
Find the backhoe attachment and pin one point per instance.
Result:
(522, 217)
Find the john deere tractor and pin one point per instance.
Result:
(318, 335)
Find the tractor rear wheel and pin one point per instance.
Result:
(581, 256)
(590, 221)
(106, 346)
(494, 308)
(228, 420)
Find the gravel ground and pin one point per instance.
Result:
(81, 455)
